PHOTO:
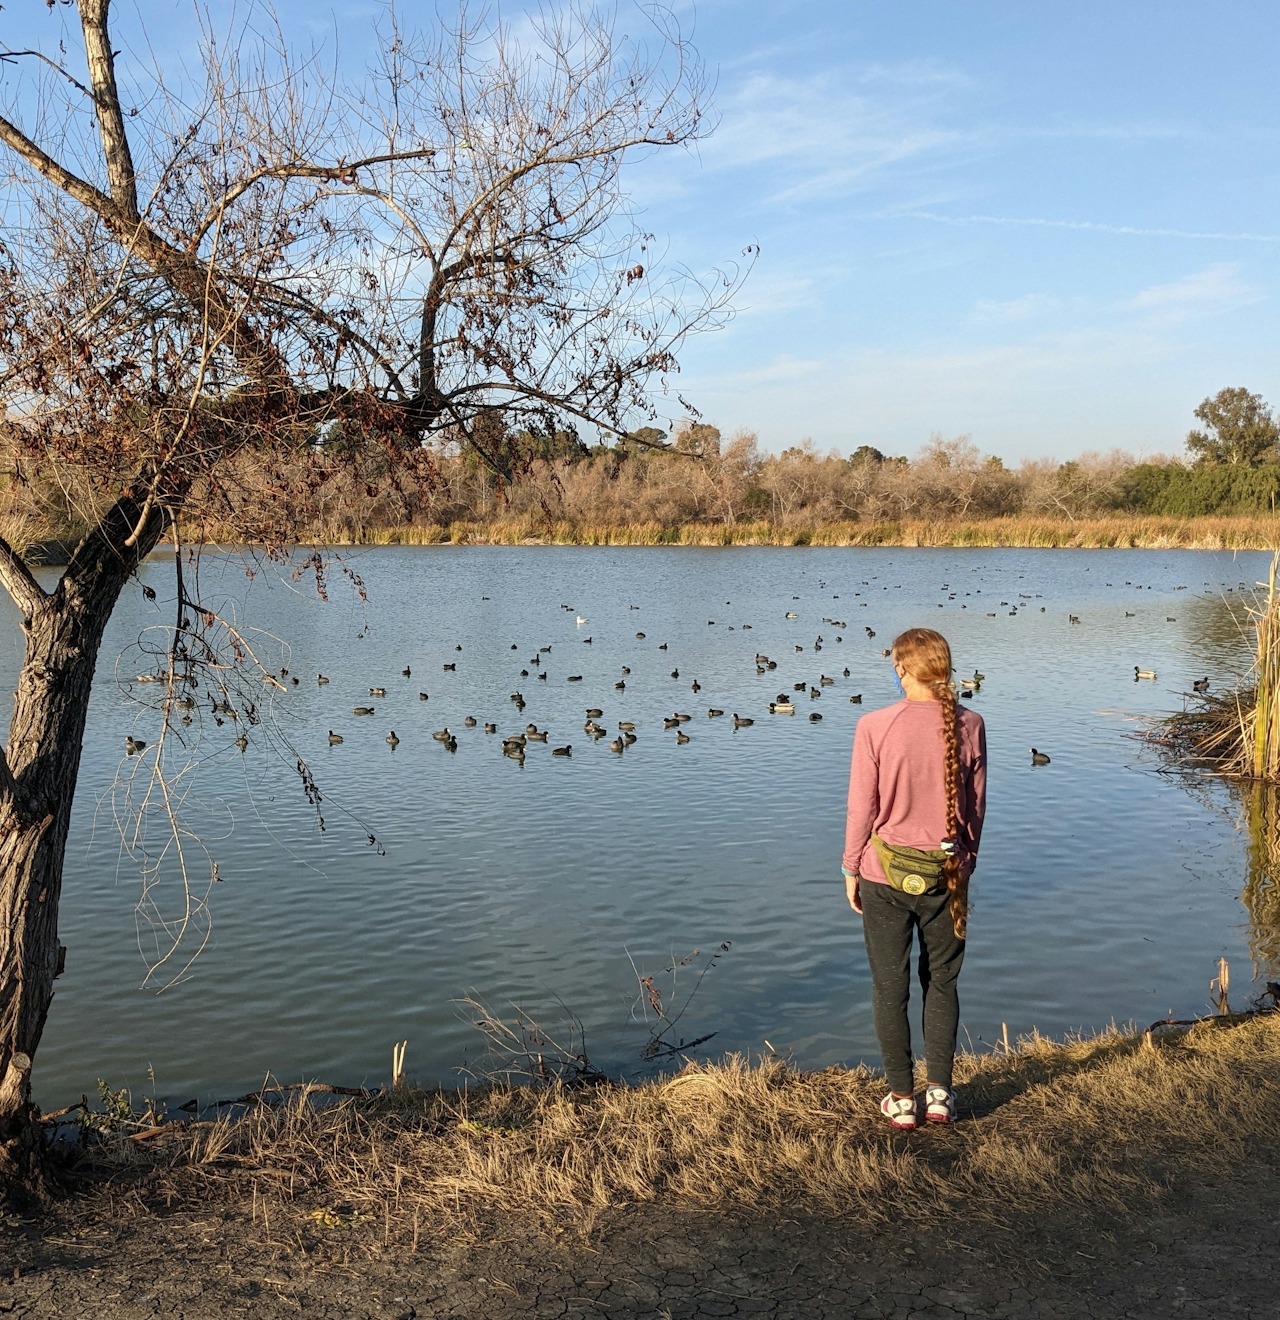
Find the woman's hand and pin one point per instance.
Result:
(851, 883)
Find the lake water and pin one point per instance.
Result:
(1104, 891)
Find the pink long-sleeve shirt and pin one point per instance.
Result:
(897, 785)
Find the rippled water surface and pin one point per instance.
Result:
(1105, 890)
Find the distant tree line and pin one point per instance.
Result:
(696, 476)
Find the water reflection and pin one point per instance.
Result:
(1102, 892)
(1228, 622)
(1261, 897)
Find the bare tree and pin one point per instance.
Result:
(217, 294)
(1076, 488)
(515, 273)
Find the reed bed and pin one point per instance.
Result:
(1099, 1124)
(1237, 734)
(1132, 532)
(1215, 733)
(1263, 748)
(17, 530)
(1116, 532)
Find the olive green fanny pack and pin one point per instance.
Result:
(912, 870)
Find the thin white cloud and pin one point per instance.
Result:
(1218, 288)
(1067, 392)
(915, 74)
(1039, 222)
(1209, 292)
(826, 133)
(768, 293)
(1029, 306)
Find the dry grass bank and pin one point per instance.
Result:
(1117, 531)
(1102, 1125)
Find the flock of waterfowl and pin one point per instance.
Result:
(516, 745)
(784, 703)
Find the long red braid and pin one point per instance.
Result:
(926, 656)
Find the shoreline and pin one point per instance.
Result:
(751, 1187)
(707, 1135)
(1113, 533)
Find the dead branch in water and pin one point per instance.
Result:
(1213, 734)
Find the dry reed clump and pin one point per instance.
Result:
(1215, 733)
(18, 529)
(1101, 1124)
(1237, 734)
(1263, 745)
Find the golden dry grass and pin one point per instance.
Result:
(1263, 746)
(1124, 532)
(1101, 1124)
(1140, 532)
(18, 530)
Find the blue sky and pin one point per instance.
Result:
(1052, 226)
(1019, 221)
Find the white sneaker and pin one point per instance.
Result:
(939, 1104)
(900, 1111)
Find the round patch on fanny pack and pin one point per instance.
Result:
(914, 884)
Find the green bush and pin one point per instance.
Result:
(757, 500)
(1206, 488)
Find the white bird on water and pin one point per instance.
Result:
(581, 620)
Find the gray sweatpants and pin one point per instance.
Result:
(890, 920)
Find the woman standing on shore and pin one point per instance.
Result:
(917, 795)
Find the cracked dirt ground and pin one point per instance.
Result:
(1209, 1251)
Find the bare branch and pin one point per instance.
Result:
(106, 101)
(61, 177)
(340, 172)
(19, 582)
(7, 55)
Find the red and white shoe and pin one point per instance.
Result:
(939, 1104)
(900, 1111)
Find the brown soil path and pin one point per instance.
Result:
(1210, 1251)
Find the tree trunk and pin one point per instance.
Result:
(63, 633)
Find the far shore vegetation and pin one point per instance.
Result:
(698, 488)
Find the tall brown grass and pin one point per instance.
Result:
(1117, 531)
(1101, 1125)
(1236, 735)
